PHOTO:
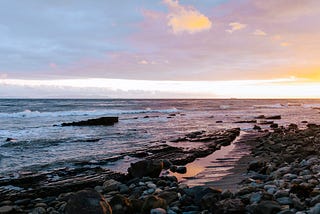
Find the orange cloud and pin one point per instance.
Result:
(186, 19)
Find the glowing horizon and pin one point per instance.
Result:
(276, 88)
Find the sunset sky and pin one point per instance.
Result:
(160, 48)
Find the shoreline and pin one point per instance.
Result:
(282, 176)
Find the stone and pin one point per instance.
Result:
(169, 196)
(150, 168)
(123, 188)
(39, 210)
(6, 209)
(102, 121)
(152, 202)
(121, 204)
(267, 207)
(181, 169)
(111, 185)
(315, 200)
(87, 201)
(209, 199)
(289, 176)
(198, 192)
(166, 164)
(232, 206)
(255, 197)
(256, 165)
(284, 201)
(158, 211)
(315, 209)
(301, 191)
(256, 127)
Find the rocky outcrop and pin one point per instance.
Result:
(102, 121)
(87, 202)
(150, 168)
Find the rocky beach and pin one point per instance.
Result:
(280, 175)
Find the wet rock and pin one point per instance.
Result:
(284, 201)
(315, 209)
(121, 204)
(169, 196)
(150, 168)
(301, 191)
(166, 164)
(274, 126)
(152, 202)
(275, 117)
(246, 121)
(181, 169)
(87, 201)
(198, 192)
(123, 188)
(255, 197)
(111, 185)
(39, 210)
(232, 206)
(267, 207)
(6, 209)
(256, 165)
(256, 127)
(158, 211)
(102, 121)
(315, 200)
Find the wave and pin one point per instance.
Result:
(31, 114)
(313, 106)
(277, 105)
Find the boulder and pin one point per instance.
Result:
(102, 121)
(146, 168)
(169, 196)
(152, 202)
(87, 201)
(121, 204)
(111, 185)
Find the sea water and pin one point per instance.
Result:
(31, 138)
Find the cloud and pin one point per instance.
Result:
(236, 26)
(186, 19)
(259, 33)
(285, 44)
(143, 62)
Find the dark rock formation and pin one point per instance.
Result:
(102, 121)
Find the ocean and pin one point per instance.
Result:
(38, 142)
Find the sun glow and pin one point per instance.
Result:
(276, 88)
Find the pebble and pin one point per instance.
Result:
(6, 209)
(158, 211)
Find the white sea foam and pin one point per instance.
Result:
(224, 107)
(31, 114)
(314, 106)
(277, 105)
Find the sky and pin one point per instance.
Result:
(160, 49)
